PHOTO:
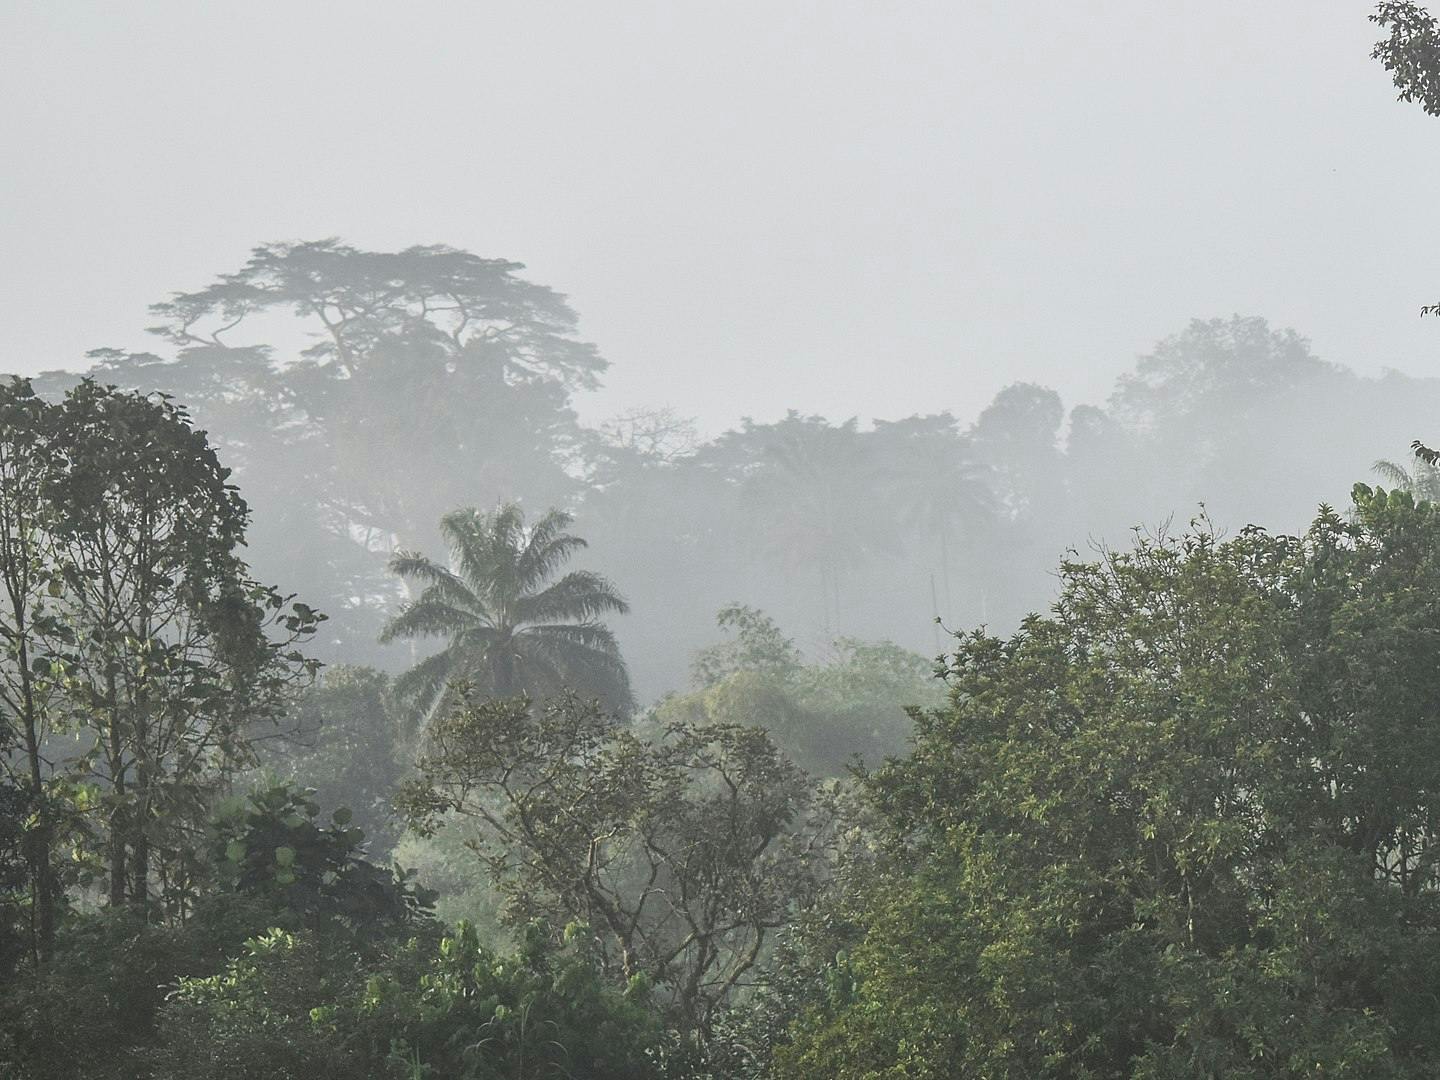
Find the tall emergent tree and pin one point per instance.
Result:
(331, 376)
(510, 628)
(1186, 825)
(419, 355)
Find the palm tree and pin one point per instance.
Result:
(935, 484)
(510, 629)
(813, 487)
(1422, 482)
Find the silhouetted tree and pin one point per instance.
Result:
(509, 628)
(934, 483)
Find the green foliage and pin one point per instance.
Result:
(350, 739)
(263, 1016)
(1411, 54)
(757, 646)
(1184, 826)
(684, 853)
(103, 985)
(509, 628)
(15, 905)
(1421, 481)
(272, 866)
(444, 859)
(139, 653)
(275, 846)
(288, 1008)
(823, 715)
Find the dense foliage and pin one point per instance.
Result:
(685, 852)
(1184, 826)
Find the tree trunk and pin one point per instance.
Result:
(38, 844)
(116, 765)
(502, 666)
(40, 839)
(945, 570)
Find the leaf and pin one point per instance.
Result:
(285, 856)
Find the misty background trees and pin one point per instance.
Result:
(759, 611)
(1163, 803)
(362, 396)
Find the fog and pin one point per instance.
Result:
(828, 212)
(775, 541)
(847, 209)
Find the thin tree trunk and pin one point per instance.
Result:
(935, 610)
(945, 569)
(39, 839)
(116, 765)
(503, 668)
(39, 842)
(140, 843)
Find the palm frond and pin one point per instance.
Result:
(417, 567)
(550, 527)
(490, 595)
(552, 663)
(425, 682)
(539, 560)
(482, 549)
(591, 635)
(428, 617)
(580, 595)
(1393, 474)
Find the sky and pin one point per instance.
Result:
(855, 209)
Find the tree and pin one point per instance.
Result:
(1411, 54)
(421, 355)
(273, 845)
(935, 483)
(510, 629)
(683, 854)
(1185, 825)
(805, 488)
(30, 579)
(425, 362)
(270, 866)
(1421, 481)
(350, 739)
(17, 929)
(851, 704)
(289, 1007)
(177, 651)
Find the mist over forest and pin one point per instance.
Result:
(390, 688)
(433, 378)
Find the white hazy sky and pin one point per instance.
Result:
(846, 208)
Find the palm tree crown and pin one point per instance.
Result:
(510, 628)
(1422, 482)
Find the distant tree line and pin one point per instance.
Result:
(437, 379)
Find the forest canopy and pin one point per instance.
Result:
(819, 748)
